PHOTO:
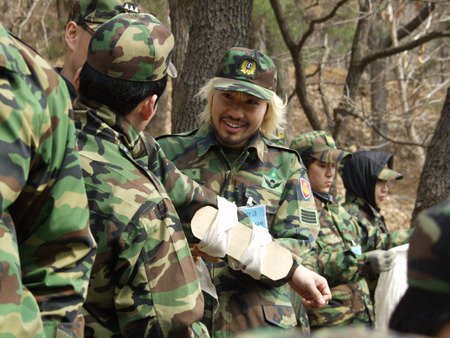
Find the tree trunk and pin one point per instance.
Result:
(218, 26)
(378, 92)
(434, 184)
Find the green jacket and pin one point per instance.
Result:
(338, 260)
(269, 175)
(144, 281)
(46, 248)
(374, 230)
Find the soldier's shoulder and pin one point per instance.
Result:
(280, 147)
(178, 136)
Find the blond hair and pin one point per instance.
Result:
(274, 119)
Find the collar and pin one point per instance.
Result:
(351, 198)
(118, 128)
(206, 139)
(323, 197)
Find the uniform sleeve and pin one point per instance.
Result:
(157, 292)
(46, 248)
(295, 223)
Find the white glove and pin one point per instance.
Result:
(381, 260)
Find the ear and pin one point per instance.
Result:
(148, 109)
(76, 79)
(71, 35)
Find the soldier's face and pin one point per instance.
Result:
(321, 175)
(236, 117)
(381, 192)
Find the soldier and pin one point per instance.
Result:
(425, 307)
(46, 248)
(366, 176)
(341, 252)
(230, 155)
(144, 281)
(84, 18)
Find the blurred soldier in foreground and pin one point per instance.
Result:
(46, 248)
(84, 18)
(425, 307)
(230, 154)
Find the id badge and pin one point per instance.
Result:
(356, 249)
(257, 213)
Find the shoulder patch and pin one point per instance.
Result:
(305, 187)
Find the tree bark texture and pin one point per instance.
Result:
(217, 26)
(434, 184)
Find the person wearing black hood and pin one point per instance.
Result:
(366, 176)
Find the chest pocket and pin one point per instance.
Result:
(270, 198)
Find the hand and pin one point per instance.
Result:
(381, 260)
(311, 286)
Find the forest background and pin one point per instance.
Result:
(373, 73)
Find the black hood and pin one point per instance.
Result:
(360, 173)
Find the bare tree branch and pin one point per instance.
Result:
(401, 48)
(27, 18)
(323, 96)
(412, 25)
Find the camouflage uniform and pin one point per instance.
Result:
(360, 175)
(335, 252)
(425, 307)
(46, 248)
(263, 173)
(144, 281)
(90, 14)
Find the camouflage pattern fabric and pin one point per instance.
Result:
(149, 58)
(375, 232)
(46, 248)
(388, 175)
(429, 253)
(248, 71)
(319, 145)
(144, 282)
(342, 266)
(269, 175)
(94, 13)
(335, 332)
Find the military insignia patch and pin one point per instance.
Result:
(305, 188)
(273, 181)
(248, 67)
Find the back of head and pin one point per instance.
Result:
(425, 307)
(318, 145)
(127, 54)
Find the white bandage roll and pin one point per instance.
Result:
(215, 240)
(253, 256)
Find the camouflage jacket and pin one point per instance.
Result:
(338, 260)
(374, 228)
(46, 248)
(144, 282)
(375, 232)
(269, 175)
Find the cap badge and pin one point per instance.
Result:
(131, 7)
(248, 67)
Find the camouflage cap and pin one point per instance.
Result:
(429, 250)
(388, 175)
(133, 47)
(248, 71)
(93, 13)
(319, 145)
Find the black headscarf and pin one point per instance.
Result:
(360, 173)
